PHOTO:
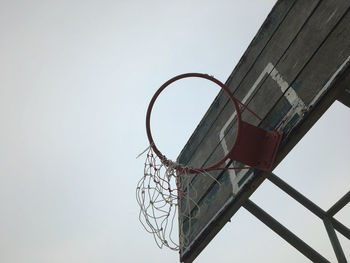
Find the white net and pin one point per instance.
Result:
(158, 194)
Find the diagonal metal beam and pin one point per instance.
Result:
(307, 203)
(339, 205)
(283, 232)
(334, 241)
(341, 228)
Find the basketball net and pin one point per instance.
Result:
(158, 194)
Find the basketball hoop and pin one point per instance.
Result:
(160, 189)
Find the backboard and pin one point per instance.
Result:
(295, 68)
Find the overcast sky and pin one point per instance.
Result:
(76, 78)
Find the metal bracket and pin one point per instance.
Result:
(256, 147)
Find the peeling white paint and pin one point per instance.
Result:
(292, 97)
(298, 107)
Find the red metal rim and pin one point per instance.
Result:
(162, 157)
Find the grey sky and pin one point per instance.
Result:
(76, 78)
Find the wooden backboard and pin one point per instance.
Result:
(294, 69)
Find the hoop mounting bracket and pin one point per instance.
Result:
(256, 147)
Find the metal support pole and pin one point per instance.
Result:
(282, 231)
(312, 207)
(339, 205)
(329, 221)
(307, 203)
(341, 228)
(334, 241)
